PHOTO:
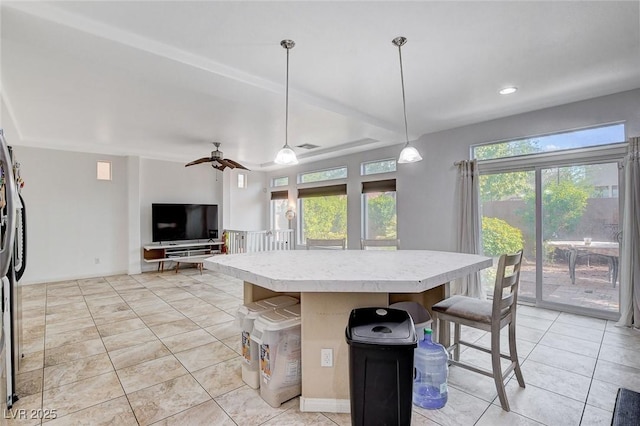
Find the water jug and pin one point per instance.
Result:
(431, 370)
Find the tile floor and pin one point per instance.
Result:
(162, 348)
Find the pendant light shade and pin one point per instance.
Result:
(408, 154)
(286, 156)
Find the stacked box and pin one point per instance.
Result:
(278, 334)
(245, 318)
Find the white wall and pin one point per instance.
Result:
(76, 225)
(74, 219)
(245, 208)
(133, 204)
(426, 190)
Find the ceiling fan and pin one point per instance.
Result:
(217, 160)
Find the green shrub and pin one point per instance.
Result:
(498, 237)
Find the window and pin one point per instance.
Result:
(378, 166)
(322, 175)
(280, 181)
(279, 207)
(379, 219)
(322, 212)
(595, 136)
(552, 205)
(242, 180)
(103, 170)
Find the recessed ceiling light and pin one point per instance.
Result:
(508, 90)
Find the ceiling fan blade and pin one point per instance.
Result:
(198, 161)
(221, 167)
(237, 165)
(226, 163)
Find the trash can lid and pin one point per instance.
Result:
(381, 326)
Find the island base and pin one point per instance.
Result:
(324, 320)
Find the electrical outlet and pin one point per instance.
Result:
(326, 357)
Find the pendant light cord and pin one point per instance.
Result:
(286, 115)
(404, 100)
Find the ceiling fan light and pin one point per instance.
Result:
(409, 155)
(286, 157)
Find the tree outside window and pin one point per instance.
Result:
(323, 217)
(380, 218)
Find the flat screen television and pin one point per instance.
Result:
(178, 222)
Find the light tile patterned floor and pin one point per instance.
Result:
(162, 348)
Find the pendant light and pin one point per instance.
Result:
(408, 154)
(286, 156)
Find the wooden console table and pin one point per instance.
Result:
(185, 250)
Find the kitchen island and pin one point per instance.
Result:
(329, 284)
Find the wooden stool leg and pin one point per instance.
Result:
(513, 353)
(456, 342)
(497, 369)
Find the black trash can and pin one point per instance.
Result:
(381, 343)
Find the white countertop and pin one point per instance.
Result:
(349, 271)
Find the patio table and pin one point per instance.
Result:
(576, 249)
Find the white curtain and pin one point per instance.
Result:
(468, 225)
(630, 250)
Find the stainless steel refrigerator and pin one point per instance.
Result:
(12, 266)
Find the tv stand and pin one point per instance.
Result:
(174, 251)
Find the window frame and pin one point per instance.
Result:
(242, 180)
(275, 197)
(335, 190)
(365, 163)
(375, 187)
(104, 170)
(610, 153)
(274, 180)
(315, 182)
(526, 157)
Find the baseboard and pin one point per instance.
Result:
(325, 405)
(59, 278)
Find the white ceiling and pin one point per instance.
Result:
(165, 79)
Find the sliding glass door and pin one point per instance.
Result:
(556, 197)
(572, 213)
(508, 225)
(580, 232)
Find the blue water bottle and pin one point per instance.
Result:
(431, 371)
